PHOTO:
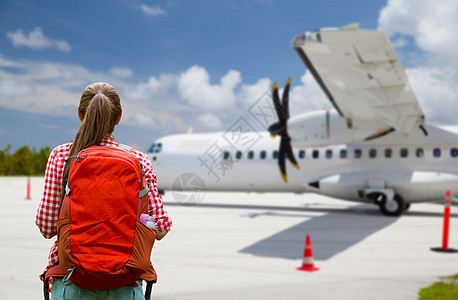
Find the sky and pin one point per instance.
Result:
(196, 65)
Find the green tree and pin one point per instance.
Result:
(23, 161)
(3, 158)
(6, 163)
(40, 160)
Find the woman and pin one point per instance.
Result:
(99, 111)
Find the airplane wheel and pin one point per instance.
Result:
(392, 208)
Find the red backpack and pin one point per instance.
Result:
(101, 242)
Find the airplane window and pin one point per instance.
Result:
(373, 153)
(275, 154)
(302, 154)
(328, 153)
(454, 152)
(226, 155)
(357, 153)
(238, 155)
(250, 155)
(343, 153)
(388, 152)
(437, 152)
(420, 152)
(404, 152)
(315, 154)
(151, 149)
(262, 155)
(158, 148)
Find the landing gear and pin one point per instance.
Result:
(394, 207)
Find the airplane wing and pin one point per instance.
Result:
(360, 73)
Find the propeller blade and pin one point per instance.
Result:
(285, 99)
(277, 104)
(281, 158)
(280, 128)
(290, 154)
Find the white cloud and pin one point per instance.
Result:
(195, 88)
(36, 40)
(307, 97)
(210, 120)
(121, 72)
(43, 87)
(144, 120)
(154, 89)
(50, 88)
(11, 87)
(249, 94)
(432, 23)
(8, 63)
(153, 10)
(399, 42)
(436, 93)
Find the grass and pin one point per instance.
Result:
(446, 289)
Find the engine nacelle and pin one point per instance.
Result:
(327, 127)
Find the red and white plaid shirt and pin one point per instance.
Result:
(48, 209)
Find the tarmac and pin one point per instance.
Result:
(248, 246)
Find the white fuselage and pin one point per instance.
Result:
(419, 168)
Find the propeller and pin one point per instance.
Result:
(280, 129)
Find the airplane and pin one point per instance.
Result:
(372, 146)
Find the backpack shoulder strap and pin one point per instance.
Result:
(143, 191)
(126, 147)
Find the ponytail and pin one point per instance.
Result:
(100, 108)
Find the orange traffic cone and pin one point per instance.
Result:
(446, 228)
(307, 261)
(28, 189)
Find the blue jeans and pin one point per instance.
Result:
(70, 291)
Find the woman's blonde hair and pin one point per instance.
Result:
(100, 109)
